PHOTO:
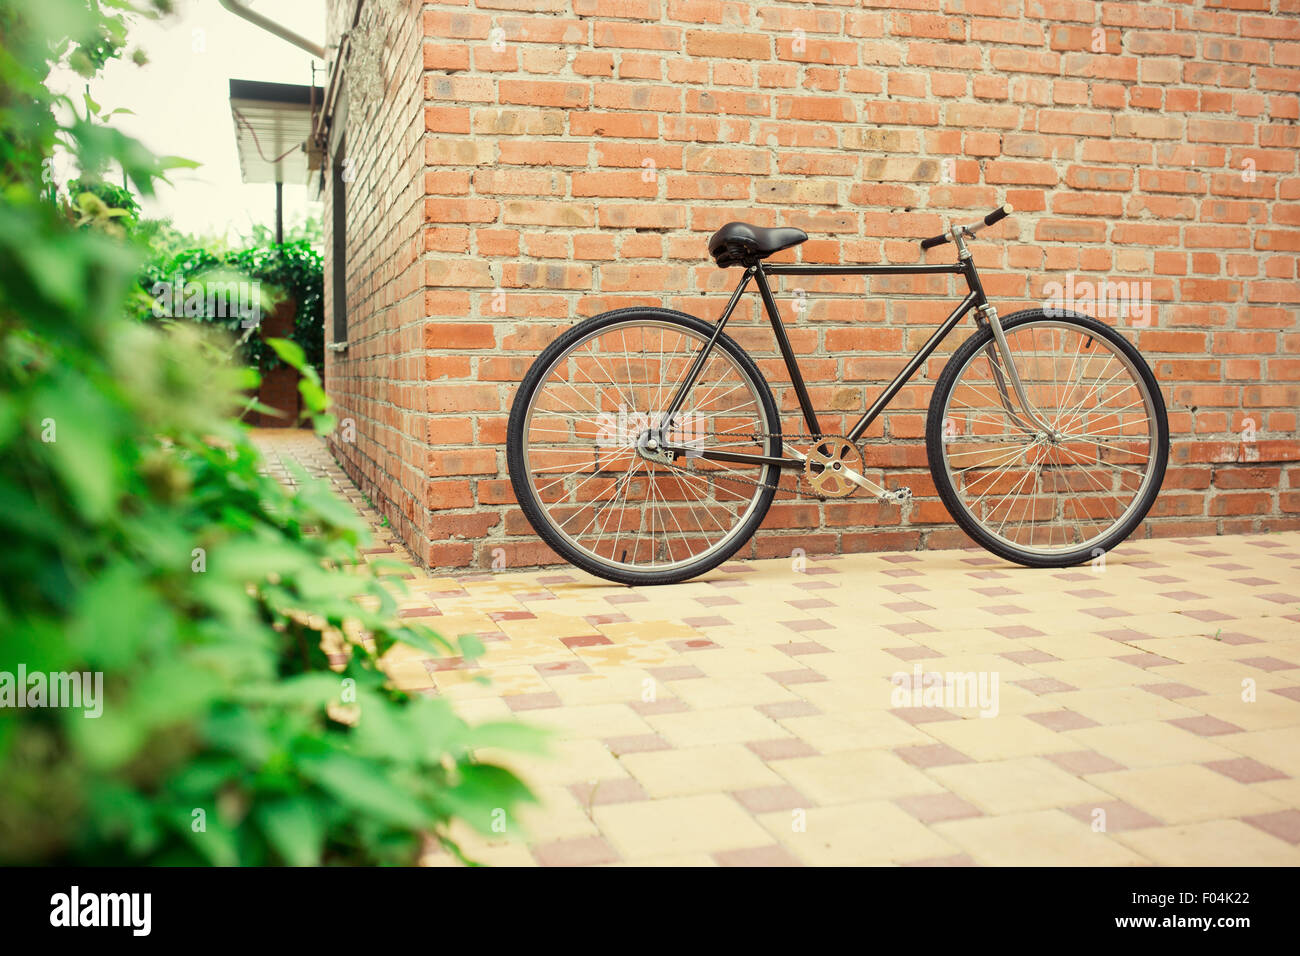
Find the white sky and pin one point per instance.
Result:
(181, 102)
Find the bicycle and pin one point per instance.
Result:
(644, 445)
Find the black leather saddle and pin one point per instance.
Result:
(739, 243)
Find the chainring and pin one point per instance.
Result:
(825, 463)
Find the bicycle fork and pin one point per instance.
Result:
(999, 355)
(999, 352)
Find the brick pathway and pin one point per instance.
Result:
(1148, 711)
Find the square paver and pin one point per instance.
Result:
(1215, 843)
(863, 833)
(704, 823)
(1037, 838)
(854, 775)
(710, 769)
(1185, 794)
(1017, 784)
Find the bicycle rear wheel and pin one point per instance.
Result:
(572, 447)
(1060, 495)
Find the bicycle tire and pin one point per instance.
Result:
(528, 500)
(1136, 513)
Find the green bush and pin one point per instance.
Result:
(95, 199)
(144, 543)
(293, 270)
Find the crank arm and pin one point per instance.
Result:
(860, 480)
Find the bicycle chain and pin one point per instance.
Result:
(798, 437)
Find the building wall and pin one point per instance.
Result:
(547, 160)
(378, 383)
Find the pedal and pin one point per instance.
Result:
(895, 497)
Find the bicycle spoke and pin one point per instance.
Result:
(594, 486)
(1059, 490)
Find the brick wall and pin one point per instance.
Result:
(377, 384)
(540, 161)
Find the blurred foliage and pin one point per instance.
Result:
(246, 716)
(163, 239)
(292, 270)
(189, 278)
(310, 230)
(95, 199)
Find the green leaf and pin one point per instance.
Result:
(508, 735)
(290, 352)
(483, 791)
(313, 395)
(362, 786)
(81, 424)
(470, 646)
(294, 828)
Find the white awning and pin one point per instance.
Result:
(272, 125)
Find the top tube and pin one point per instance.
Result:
(813, 269)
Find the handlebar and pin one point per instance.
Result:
(996, 216)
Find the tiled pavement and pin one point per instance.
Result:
(1148, 710)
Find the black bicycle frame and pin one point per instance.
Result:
(758, 272)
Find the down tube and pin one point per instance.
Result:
(910, 368)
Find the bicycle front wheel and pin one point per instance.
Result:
(572, 447)
(1071, 480)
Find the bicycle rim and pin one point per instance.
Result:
(598, 494)
(1064, 489)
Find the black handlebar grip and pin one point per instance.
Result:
(934, 241)
(997, 215)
